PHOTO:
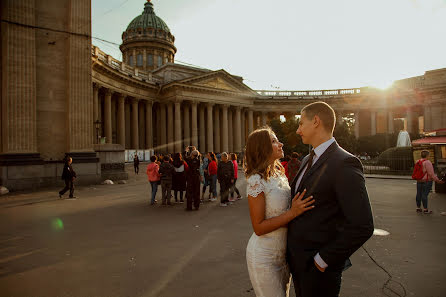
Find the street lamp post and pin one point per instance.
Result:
(97, 125)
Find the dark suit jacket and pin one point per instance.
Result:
(341, 221)
(68, 172)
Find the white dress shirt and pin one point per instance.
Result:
(318, 151)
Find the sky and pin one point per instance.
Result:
(294, 44)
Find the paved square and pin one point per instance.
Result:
(110, 242)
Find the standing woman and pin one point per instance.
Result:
(136, 163)
(205, 180)
(234, 186)
(179, 177)
(153, 177)
(269, 207)
(212, 171)
(68, 175)
(225, 175)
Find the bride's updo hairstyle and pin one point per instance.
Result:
(258, 151)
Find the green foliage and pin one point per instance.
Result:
(374, 145)
(396, 158)
(345, 138)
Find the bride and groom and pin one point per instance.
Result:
(311, 228)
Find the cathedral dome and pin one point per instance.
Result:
(148, 19)
(147, 43)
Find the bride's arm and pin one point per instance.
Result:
(263, 226)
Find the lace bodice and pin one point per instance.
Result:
(277, 193)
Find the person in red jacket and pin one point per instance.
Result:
(212, 171)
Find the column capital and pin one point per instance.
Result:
(121, 96)
(194, 102)
(134, 100)
(108, 92)
(210, 103)
(225, 106)
(96, 86)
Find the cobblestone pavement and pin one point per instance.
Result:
(110, 242)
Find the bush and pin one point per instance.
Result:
(396, 158)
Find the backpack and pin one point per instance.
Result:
(418, 170)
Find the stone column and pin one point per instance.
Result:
(202, 146)
(427, 118)
(121, 120)
(128, 129)
(194, 141)
(390, 127)
(149, 125)
(237, 130)
(163, 128)
(178, 142)
(230, 131)
(210, 134)
(217, 131)
(373, 122)
(134, 57)
(170, 120)
(250, 121)
(135, 131)
(186, 114)
(409, 120)
(357, 124)
(144, 63)
(263, 118)
(243, 130)
(107, 116)
(95, 103)
(224, 129)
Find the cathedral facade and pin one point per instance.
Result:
(62, 96)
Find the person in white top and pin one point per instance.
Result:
(269, 206)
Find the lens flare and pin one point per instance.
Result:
(57, 224)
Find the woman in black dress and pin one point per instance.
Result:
(179, 177)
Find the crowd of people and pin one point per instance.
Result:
(190, 174)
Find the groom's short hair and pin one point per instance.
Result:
(324, 111)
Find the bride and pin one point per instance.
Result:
(269, 206)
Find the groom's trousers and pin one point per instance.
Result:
(310, 282)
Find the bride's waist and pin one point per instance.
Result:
(276, 235)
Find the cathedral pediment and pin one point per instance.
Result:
(217, 83)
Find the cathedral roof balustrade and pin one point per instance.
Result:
(123, 67)
(310, 94)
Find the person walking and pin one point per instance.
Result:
(68, 175)
(193, 181)
(179, 176)
(166, 172)
(424, 185)
(293, 166)
(212, 171)
(153, 177)
(136, 163)
(225, 176)
(206, 181)
(234, 184)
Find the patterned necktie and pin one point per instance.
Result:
(310, 162)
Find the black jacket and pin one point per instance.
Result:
(341, 221)
(225, 171)
(68, 172)
(166, 170)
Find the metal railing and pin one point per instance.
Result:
(389, 166)
(310, 93)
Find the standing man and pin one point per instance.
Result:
(193, 181)
(321, 241)
(136, 163)
(424, 185)
(68, 175)
(225, 176)
(166, 172)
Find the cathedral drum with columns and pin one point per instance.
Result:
(62, 96)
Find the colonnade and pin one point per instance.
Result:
(168, 126)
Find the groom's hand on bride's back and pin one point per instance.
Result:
(300, 204)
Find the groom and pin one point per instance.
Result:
(321, 241)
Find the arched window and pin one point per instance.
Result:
(131, 60)
(139, 60)
(160, 61)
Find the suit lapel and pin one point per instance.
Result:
(321, 160)
(302, 166)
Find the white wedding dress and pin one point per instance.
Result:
(265, 254)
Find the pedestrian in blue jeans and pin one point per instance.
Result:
(153, 177)
(424, 185)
